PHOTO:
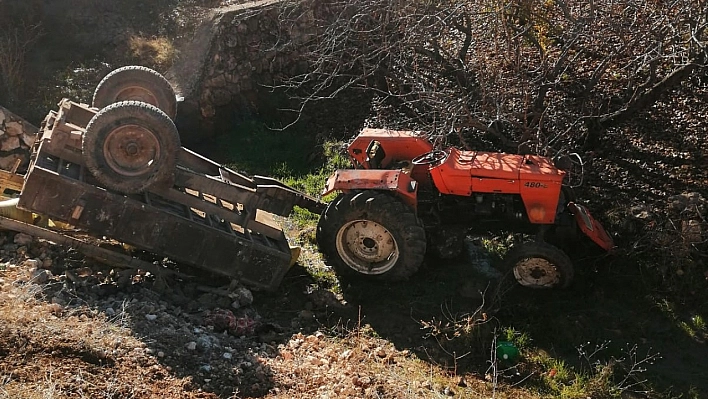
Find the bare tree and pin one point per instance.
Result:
(20, 28)
(539, 73)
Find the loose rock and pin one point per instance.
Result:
(33, 263)
(23, 239)
(41, 276)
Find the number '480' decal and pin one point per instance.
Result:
(535, 184)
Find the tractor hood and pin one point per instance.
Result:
(509, 166)
(452, 176)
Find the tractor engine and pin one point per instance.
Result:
(478, 210)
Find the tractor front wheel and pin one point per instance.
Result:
(540, 265)
(371, 234)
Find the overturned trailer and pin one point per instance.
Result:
(120, 172)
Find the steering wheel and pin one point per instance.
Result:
(431, 157)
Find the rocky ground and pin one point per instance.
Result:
(72, 327)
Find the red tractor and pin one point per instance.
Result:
(404, 197)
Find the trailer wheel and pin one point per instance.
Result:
(136, 83)
(371, 234)
(130, 146)
(540, 265)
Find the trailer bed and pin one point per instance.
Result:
(211, 217)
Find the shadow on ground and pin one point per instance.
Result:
(609, 305)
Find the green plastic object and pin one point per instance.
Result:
(507, 351)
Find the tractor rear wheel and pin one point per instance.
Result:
(371, 234)
(540, 265)
(136, 83)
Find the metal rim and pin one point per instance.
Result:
(137, 93)
(367, 247)
(536, 272)
(131, 150)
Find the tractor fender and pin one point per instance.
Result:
(374, 179)
(591, 227)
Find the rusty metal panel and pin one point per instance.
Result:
(257, 263)
(374, 179)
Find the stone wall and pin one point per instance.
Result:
(16, 140)
(228, 70)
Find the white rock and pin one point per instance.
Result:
(32, 263)
(245, 296)
(151, 317)
(227, 355)
(160, 354)
(191, 346)
(14, 128)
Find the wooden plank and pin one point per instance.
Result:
(10, 180)
(79, 114)
(207, 207)
(244, 219)
(268, 230)
(232, 193)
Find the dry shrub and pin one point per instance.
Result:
(157, 52)
(670, 240)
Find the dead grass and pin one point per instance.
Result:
(156, 52)
(48, 351)
(362, 365)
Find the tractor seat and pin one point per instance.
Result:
(375, 154)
